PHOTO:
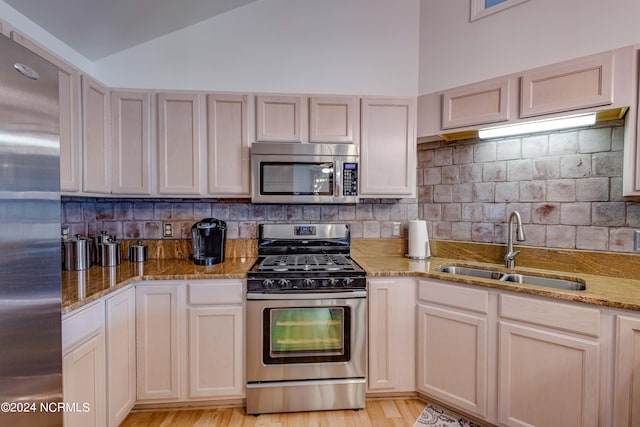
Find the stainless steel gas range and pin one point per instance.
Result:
(306, 321)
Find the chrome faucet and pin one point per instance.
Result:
(509, 258)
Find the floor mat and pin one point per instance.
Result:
(435, 416)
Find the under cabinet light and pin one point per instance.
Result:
(555, 123)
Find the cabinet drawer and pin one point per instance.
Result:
(215, 292)
(79, 326)
(563, 316)
(454, 295)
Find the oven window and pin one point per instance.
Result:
(305, 179)
(306, 335)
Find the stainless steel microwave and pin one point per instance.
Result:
(304, 173)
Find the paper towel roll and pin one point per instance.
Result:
(418, 240)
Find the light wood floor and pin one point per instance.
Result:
(378, 413)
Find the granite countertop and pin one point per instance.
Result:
(82, 287)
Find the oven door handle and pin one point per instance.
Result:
(307, 295)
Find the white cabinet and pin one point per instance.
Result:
(388, 148)
(453, 345)
(96, 137)
(228, 165)
(131, 131)
(391, 335)
(279, 118)
(593, 83)
(626, 377)
(180, 141)
(216, 339)
(69, 100)
(190, 341)
(300, 118)
(83, 366)
(160, 337)
(549, 363)
(120, 328)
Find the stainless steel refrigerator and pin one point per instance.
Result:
(30, 259)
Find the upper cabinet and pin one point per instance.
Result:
(388, 148)
(298, 118)
(593, 83)
(568, 86)
(180, 133)
(131, 142)
(228, 157)
(96, 137)
(69, 99)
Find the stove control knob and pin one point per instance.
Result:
(267, 283)
(308, 283)
(347, 281)
(283, 283)
(333, 283)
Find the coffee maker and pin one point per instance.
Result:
(208, 239)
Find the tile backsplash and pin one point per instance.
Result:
(143, 218)
(566, 185)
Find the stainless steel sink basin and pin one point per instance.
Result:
(569, 285)
(525, 279)
(475, 272)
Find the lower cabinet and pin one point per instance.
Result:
(120, 335)
(216, 340)
(83, 367)
(391, 335)
(190, 341)
(626, 398)
(453, 347)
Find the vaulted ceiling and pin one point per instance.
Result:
(98, 28)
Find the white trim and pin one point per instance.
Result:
(478, 9)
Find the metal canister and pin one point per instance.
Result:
(109, 253)
(137, 252)
(76, 253)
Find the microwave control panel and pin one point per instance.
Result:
(350, 179)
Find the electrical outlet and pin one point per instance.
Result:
(64, 232)
(395, 229)
(636, 240)
(167, 229)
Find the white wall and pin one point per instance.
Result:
(25, 26)
(329, 46)
(455, 51)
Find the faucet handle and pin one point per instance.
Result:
(511, 255)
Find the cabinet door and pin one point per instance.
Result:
(452, 357)
(158, 323)
(83, 383)
(388, 148)
(96, 129)
(391, 335)
(333, 119)
(478, 104)
(626, 401)
(179, 143)
(216, 361)
(279, 118)
(69, 99)
(583, 83)
(131, 133)
(121, 355)
(228, 145)
(546, 378)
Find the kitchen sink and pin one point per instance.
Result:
(569, 285)
(525, 279)
(475, 272)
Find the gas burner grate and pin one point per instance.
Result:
(306, 262)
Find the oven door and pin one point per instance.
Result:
(304, 336)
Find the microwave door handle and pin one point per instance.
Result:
(338, 173)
